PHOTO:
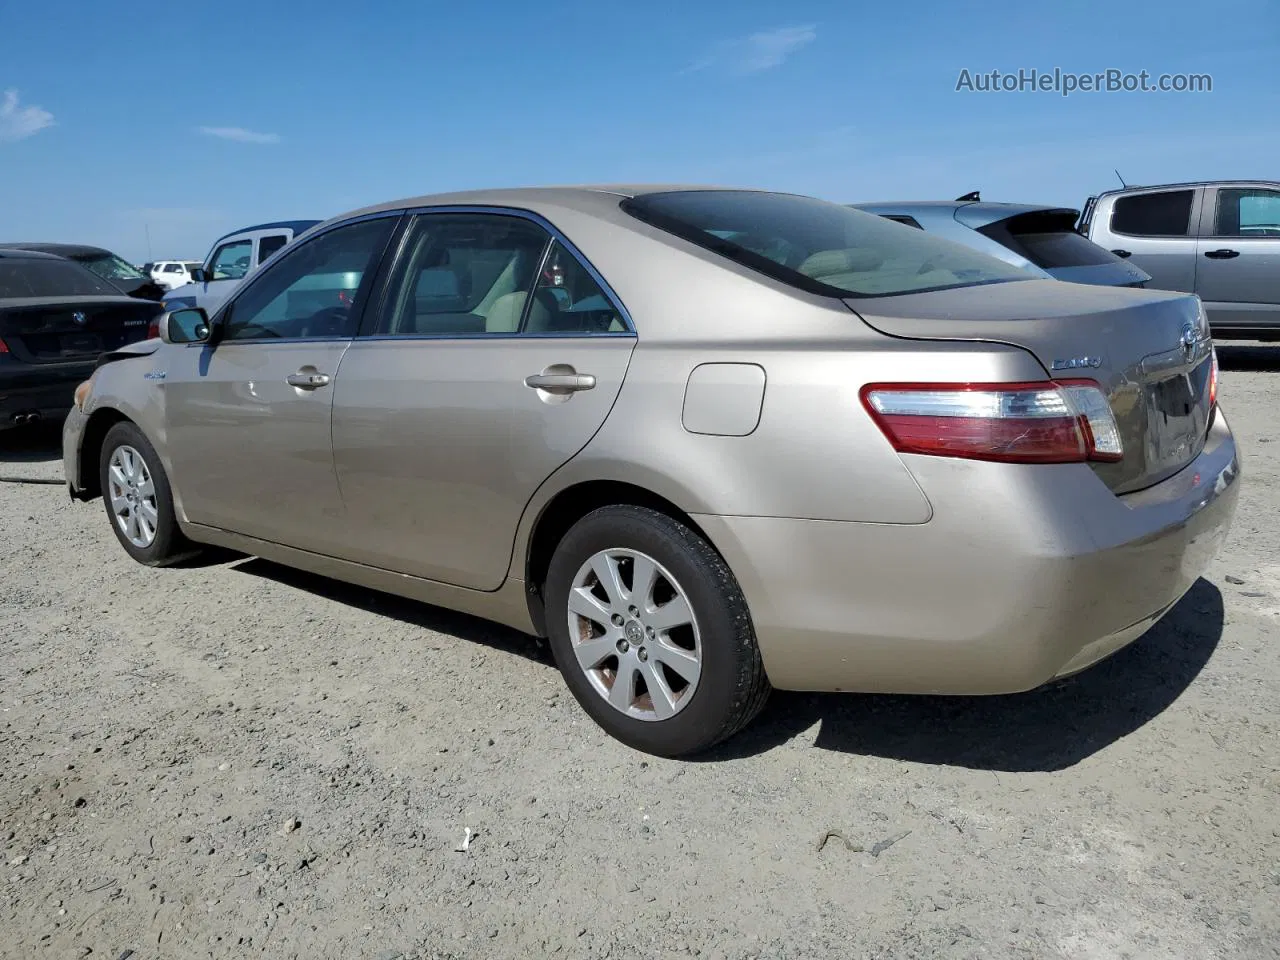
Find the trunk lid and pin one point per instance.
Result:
(1149, 351)
(69, 329)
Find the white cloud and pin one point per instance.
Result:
(17, 122)
(239, 134)
(759, 51)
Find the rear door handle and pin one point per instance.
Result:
(560, 382)
(1221, 254)
(1124, 254)
(307, 381)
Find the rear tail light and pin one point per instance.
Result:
(4, 347)
(153, 330)
(1213, 377)
(1059, 421)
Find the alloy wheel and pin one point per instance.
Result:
(634, 634)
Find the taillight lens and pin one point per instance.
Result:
(153, 330)
(1065, 421)
(1213, 377)
(4, 347)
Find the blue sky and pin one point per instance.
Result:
(115, 120)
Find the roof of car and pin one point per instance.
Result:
(297, 226)
(1143, 187)
(19, 253)
(583, 197)
(976, 211)
(60, 249)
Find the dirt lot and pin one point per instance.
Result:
(238, 760)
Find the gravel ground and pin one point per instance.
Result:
(239, 760)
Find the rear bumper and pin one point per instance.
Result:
(1025, 573)
(45, 389)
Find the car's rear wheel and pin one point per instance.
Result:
(135, 491)
(652, 633)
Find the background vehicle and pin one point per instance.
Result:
(117, 271)
(233, 258)
(172, 274)
(1042, 240)
(524, 405)
(55, 319)
(1220, 240)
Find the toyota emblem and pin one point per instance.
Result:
(1189, 340)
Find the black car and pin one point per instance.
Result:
(112, 268)
(56, 319)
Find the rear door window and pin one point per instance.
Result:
(269, 245)
(814, 245)
(1164, 214)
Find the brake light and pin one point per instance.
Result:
(153, 329)
(1057, 421)
(4, 347)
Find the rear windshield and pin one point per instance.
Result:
(112, 267)
(821, 247)
(20, 277)
(1048, 240)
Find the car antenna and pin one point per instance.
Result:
(973, 197)
(1120, 178)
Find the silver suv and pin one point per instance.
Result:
(1220, 240)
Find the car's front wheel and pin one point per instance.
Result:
(652, 633)
(135, 490)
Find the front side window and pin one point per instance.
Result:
(231, 261)
(269, 245)
(1248, 213)
(463, 274)
(1164, 214)
(818, 246)
(314, 290)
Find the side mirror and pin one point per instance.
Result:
(189, 325)
(198, 275)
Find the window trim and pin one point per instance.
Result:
(1193, 215)
(395, 260)
(373, 277)
(1213, 203)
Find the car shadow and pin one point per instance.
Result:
(1256, 357)
(41, 443)
(460, 625)
(1051, 728)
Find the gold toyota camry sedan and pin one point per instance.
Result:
(709, 442)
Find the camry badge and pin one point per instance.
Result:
(78, 318)
(1076, 363)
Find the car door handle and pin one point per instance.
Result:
(560, 382)
(1221, 254)
(1124, 254)
(307, 381)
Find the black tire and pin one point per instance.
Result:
(169, 545)
(732, 688)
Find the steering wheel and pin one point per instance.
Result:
(329, 322)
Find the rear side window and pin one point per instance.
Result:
(903, 219)
(269, 245)
(821, 247)
(1166, 214)
(1048, 239)
(20, 277)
